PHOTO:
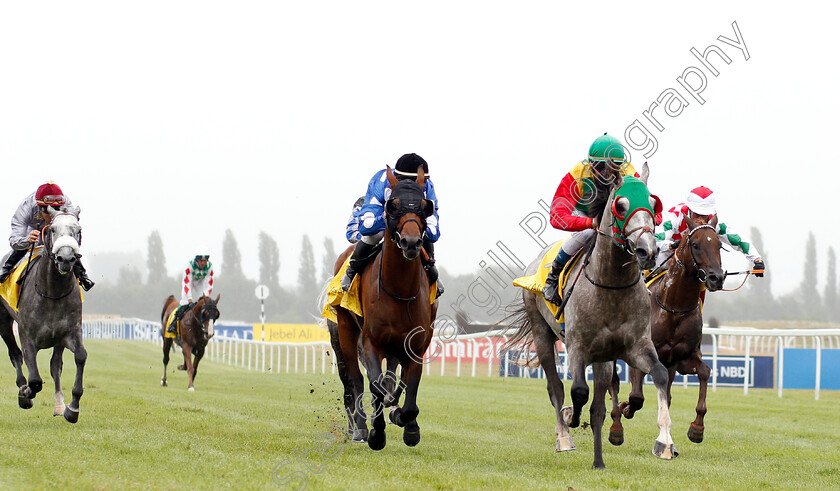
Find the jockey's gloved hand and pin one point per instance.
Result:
(674, 245)
(759, 265)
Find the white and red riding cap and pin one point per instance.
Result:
(701, 200)
(49, 194)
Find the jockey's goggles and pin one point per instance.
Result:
(51, 199)
(202, 258)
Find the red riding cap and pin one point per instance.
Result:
(49, 194)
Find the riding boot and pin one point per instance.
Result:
(81, 275)
(362, 255)
(9, 266)
(550, 292)
(429, 266)
(179, 312)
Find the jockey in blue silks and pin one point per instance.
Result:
(370, 219)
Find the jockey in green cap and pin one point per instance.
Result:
(580, 199)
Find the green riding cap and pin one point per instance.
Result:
(606, 147)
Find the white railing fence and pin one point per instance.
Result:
(457, 355)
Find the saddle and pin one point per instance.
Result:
(536, 282)
(10, 289)
(350, 299)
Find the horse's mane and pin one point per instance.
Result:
(595, 208)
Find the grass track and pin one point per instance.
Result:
(479, 433)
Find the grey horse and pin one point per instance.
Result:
(49, 315)
(607, 318)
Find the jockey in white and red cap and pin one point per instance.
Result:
(196, 282)
(30, 218)
(700, 203)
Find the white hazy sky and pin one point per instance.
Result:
(196, 117)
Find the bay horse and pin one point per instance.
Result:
(676, 320)
(393, 392)
(196, 331)
(398, 315)
(607, 318)
(49, 315)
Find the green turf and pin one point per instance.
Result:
(478, 433)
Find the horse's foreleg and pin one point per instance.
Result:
(35, 384)
(696, 365)
(71, 412)
(645, 359)
(56, 364)
(392, 386)
(199, 353)
(603, 374)
(580, 389)
(167, 347)
(637, 396)
(616, 430)
(406, 416)
(187, 349)
(373, 363)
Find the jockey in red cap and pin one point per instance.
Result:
(700, 203)
(28, 221)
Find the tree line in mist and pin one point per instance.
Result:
(478, 295)
(134, 296)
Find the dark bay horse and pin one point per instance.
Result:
(607, 317)
(398, 315)
(676, 318)
(196, 331)
(49, 315)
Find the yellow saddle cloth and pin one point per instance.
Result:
(167, 334)
(536, 282)
(350, 299)
(10, 290)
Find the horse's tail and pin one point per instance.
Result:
(165, 304)
(518, 326)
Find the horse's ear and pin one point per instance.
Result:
(607, 215)
(713, 221)
(421, 177)
(392, 206)
(428, 207)
(391, 179)
(618, 180)
(643, 176)
(218, 297)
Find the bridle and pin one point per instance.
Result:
(208, 311)
(700, 273)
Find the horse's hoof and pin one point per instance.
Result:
(360, 436)
(628, 413)
(24, 402)
(665, 452)
(191, 389)
(567, 412)
(695, 433)
(70, 415)
(411, 438)
(564, 444)
(616, 437)
(163, 383)
(26, 391)
(182, 367)
(376, 439)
